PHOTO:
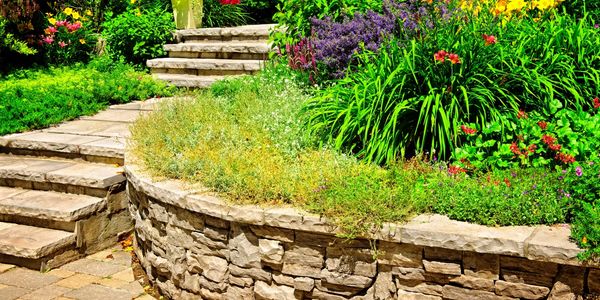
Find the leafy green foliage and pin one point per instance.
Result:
(218, 15)
(8, 41)
(295, 15)
(136, 36)
(37, 99)
(533, 141)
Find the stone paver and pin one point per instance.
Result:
(27, 279)
(46, 293)
(5, 267)
(94, 267)
(106, 275)
(32, 242)
(12, 292)
(98, 292)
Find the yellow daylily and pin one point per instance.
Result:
(76, 15)
(132, 1)
(516, 5)
(68, 11)
(88, 13)
(52, 21)
(82, 41)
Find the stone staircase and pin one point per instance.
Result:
(203, 56)
(62, 189)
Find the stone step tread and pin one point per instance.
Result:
(32, 242)
(247, 30)
(252, 47)
(205, 64)
(48, 205)
(60, 171)
(184, 80)
(84, 137)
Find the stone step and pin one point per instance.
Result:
(202, 66)
(241, 33)
(59, 175)
(34, 247)
(223, 50)
(47, 209)
(190, 81)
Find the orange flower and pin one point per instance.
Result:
(453, 58)
(489, 39)
(440, 56)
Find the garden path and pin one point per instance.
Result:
(62, 202)
(203, 56)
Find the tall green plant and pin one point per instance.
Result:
(220, 15)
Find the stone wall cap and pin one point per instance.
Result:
(542, 243)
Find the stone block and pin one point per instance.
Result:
(441, 254)
(384, 286)
(419, 287)
(317, 294)
(399, 255)
(274, 233)
(520, 290)
(282, 279)
(474, 283)
(301, 270)
(255, 273)
(304, 255)
(481, 265)
(442, 267)
(271, 251)
(355, 261)
(243, 247)
(241, 281)
(456, 293)
(345, 279)
(234, 292)
(304, 284)
(404, 295)
(264, 291)
(218, 234)
(211, 267)
(553, 244)
(594, 281)
(530, 266)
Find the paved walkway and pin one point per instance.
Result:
(106, 275)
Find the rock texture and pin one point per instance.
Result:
(255, 253)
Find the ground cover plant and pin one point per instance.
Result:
(484, 111)
(34, 99)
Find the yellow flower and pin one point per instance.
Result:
(52, 21)
(132, 1)
(68, 11)
(76, 15)
(584, 240)
(82, 41)
(88, 13)
(138, 13)
(516, 5)
(544, 4)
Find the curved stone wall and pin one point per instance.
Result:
(194, 246)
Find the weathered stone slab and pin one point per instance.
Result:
(440, 231)
(114, 115)
(211, 267)
(186, 80)
(404, 295)
(224, 47)
(304, 284)
(419, 287)
(257, 274)
(203, 64)
(529, 266)
(400, 255)
(48, 141)
(442, 267)
(553, 244)
(345, 279)
(107, 147)
(32, 242)
(27, 279)
(273, 233)
(481, 265)
(7, 192)
(88, 175)
(94, 267)
(243, 247)
(265, 291)
(301, 270)
(271, 251)
(29, 168)
(474, 283)
(304, 255)
(51, 205)
(98, 292)
(457, 293)
(521, 290)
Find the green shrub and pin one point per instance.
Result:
(295, 15)
(138, 35)
(8, 41)
(219, 15)
(37, 99)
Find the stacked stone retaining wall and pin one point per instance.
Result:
(195, 246)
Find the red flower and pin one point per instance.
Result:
(522, 114)
(507, 182)
(555, 147)
(489, 39)
(548, 140)
(468, 130)
(596, 102)
(565, 158)
(532, 148)
(229, 2)
(455, 170)
(543, 125)
(514, 148)
(440, 56)
(453, 58)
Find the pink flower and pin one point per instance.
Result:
(61, 23)
(62, 44)
(50, 30)
(48, 39)
(73, 27)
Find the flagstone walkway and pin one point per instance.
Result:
(106, 275)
